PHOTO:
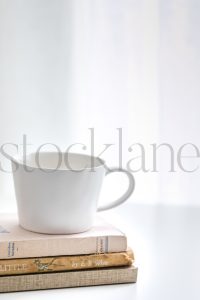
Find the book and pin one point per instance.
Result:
(91, 277)
(16, 242)
(64, 263)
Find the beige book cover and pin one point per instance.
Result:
(16, 242)
(68, 279)
(65, 263)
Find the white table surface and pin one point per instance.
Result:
(166, 242)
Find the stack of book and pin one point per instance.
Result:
(33, 261)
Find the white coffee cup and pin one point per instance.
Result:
(57, 193)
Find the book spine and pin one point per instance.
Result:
(62, 246)
(68, 279)
(64, 263)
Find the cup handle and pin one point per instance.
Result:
(127, 194)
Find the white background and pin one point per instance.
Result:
(69, 65)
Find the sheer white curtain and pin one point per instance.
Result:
(70, 65)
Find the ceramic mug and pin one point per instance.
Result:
(57, 193)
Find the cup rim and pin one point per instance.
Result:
(19, 160)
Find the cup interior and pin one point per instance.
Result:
(61, 161)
